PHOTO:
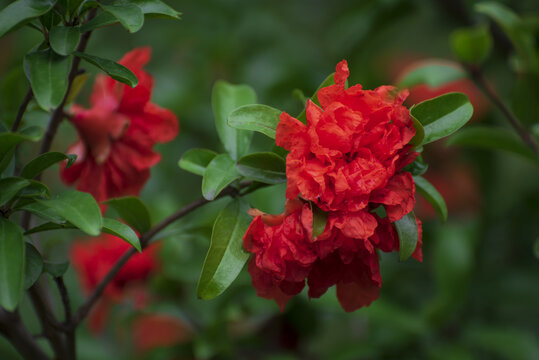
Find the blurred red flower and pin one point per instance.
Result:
(93, 258)
(351, 150)
(152, 331)
(117, 134)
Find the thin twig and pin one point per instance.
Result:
(145, 239)
(477, 75)
(27, 98)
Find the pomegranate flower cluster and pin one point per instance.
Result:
(117, 134)
(348, 161)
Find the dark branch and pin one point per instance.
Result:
(12, 328)
(27, 98)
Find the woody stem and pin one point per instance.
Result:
(145, 239)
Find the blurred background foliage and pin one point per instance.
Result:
(476, 294)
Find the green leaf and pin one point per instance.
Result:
(442, 115)
(35, 189)
(226, 256)
(266, 167)
(44, 161)
(133, 211)
(128, 14)
(196, 160)
(12, 265)
(34, 266)
(113, 69)
(21, 11)
(419, 132)
(418, 167)
(330, 80)
(221, 171)
(261, 118)
(433, 75)
(491, 138)
(55, 269)
(40, 210)
(432, 195)
(48, 227)
(64, 39)
(116, 228)
(226, 98)
(9, 187)
(512, 25)
(320, 220)
(472, 45)
(9, 140)
(408, 235)
(78, 208)
(49, 74)
(158, 8)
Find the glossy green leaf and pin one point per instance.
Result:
(472, 45)
(330, 80)
(44, 161)
(266, 167)
(261, 118)
(432, 195)
(39, 209)
(416, 168)
(511, 24)
(221, 171)
(78, 208)
(433, 75)
(196, 160)
(419, 136)
(55, 269)
(33, 267)
(48, 227)
(35, 189)
(320, 220)
(157, 8)
(226, 256)
(133, 211)
(9, 187)
(225, 99)
(442, 115)
(12, 265)
(113, 69)
(49, 74)
(127, 13)
(116, 228)
(491, 138)
(64, 39)
(408, 235)
(22, 10)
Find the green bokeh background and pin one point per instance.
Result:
(476, 294)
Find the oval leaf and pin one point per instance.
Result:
(48, 227)
(33, 267)
(157, 8)
(9, 187)
(116, 228)
(265, 167)
(22, 10)
(491, 138)
(472, 45)
(442, 115)
(64, 39)
(433, 75)
(55, 269)
(128, 14)
(48, 73)
(196, 160)
(12, 258)
(226, 98)
(226, 256)
(261, 118)
(35, 189)
(114, 70)
(221, 171)
(133, 211)
(44, 161)
(408, 235)
(79, 208)
(432, 195)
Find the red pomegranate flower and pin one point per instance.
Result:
(117, 134)
(349, 153)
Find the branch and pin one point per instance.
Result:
(70, 333)
(29, 95)
(145, 239)
(479, 78)
(13, 329)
